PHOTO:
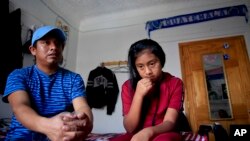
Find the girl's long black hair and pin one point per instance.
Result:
(135, 49)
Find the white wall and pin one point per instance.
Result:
(109, 38)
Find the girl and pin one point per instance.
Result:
(151, 98)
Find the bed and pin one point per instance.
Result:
(187, 136)
(183, 126)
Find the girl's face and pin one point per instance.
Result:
(148, 65)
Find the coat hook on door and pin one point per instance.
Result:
(226, 45)
(226, 56)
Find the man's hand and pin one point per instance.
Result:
(68, 126)
(76, 126)
(55, 130)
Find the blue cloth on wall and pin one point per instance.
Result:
(239, 10)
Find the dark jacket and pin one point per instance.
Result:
(102, 89)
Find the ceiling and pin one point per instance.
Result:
(88, 14)
(78, 10)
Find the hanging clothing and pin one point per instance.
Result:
(102, 89)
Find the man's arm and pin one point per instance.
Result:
(21, 106)
(84, 112)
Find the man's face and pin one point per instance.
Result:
(48, 51)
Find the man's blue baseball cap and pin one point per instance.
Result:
(44, 30)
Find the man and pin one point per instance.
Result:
(48, 101)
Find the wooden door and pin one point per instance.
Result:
(237, 71)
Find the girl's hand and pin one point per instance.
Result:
(144, 86)
(144, 135)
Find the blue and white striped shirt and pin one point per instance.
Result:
(49, 94)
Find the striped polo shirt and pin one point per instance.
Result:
(49, 94)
